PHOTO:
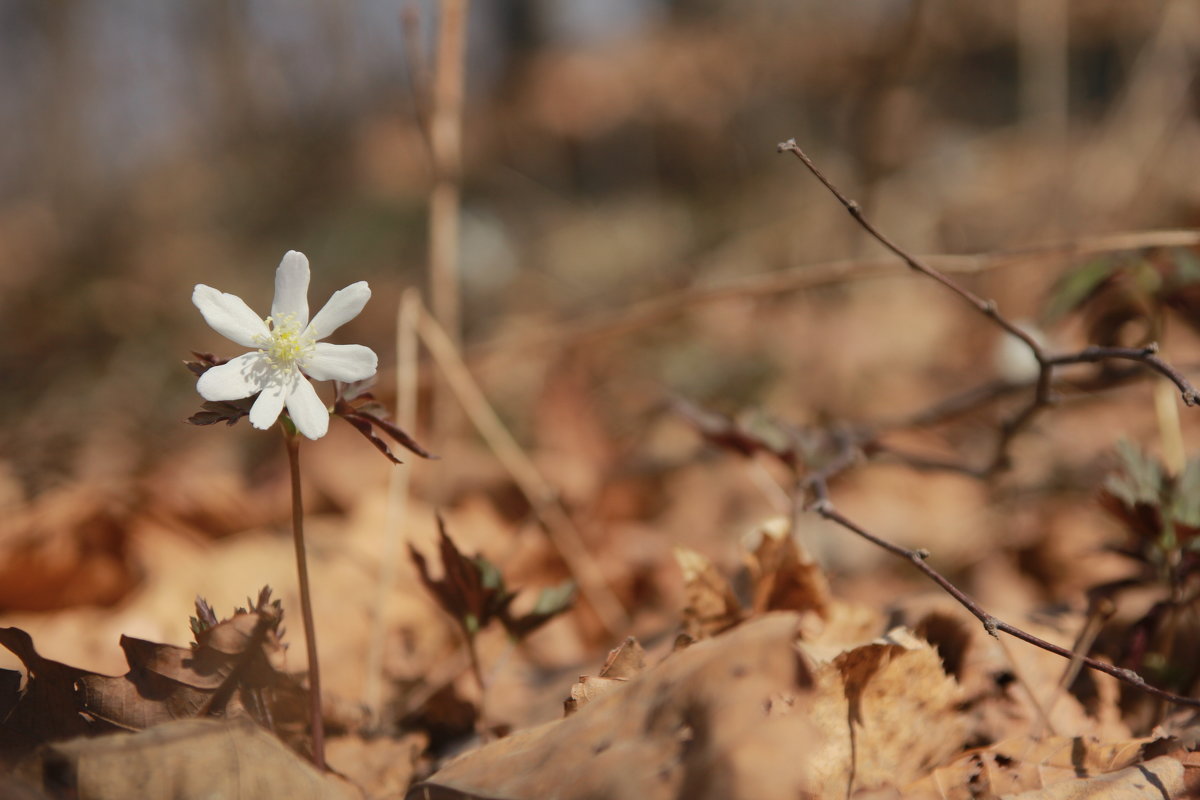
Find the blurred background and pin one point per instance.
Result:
(612, 152)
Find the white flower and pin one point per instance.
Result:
(287, 344)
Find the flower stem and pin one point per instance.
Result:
(310, 628)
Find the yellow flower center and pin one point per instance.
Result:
(288, 343)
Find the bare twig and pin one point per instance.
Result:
(1098, 614)
(816, 483)
(1042, 396)
(993, 625)
(1145, 355)
(985, 307)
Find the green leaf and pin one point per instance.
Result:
(1075, 287)
(1141, 478)
(555, 599)
(1187, 266)
(490, 574)
(1185, 503)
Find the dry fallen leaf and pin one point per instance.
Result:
(785, 577)
(587, 689)
(886, 713)
(68, 547)
(623, 663)
(1062, 767)
(192, 759)
(383, 767)
(231, 671)
(626, 661)
(698, 725)
(47, 708)
(711, 606)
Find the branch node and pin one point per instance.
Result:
(990, 624)
(822, 506)
(1150, 349)
(1190, 398)
(990, 308)
(1132, 677)
(921, 554)
(782, 147)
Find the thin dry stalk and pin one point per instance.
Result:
(398, 492)
(1170, 432)
(306, 613)
(658, 310)
(1098, 614)
(416, 69)
(1043, 712)
(1042, 50)
(542, 496)
(445, 135)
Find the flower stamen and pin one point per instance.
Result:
(288, 344)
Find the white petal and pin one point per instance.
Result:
(229, 315)
(266, 408)
(307, 411)
(240, 377)
(340, 362)
(344, 306)
(291, 288)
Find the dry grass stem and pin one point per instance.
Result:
(658, 310)
(445, 135)
(562, 530)
(398, 491)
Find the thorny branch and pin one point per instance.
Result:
(851, 448)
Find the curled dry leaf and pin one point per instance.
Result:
(587, 689)
(623, 663)
(784, 575)
(228, 411)
(711, 606)
(47, 708)
(214, 411)
(233, 670)
(357, 406)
